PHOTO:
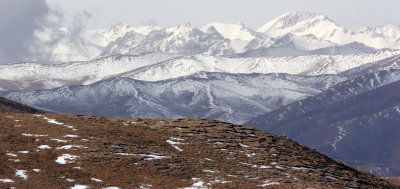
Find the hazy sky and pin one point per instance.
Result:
(253, 13)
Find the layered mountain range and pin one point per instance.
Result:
(301, 75)
(294, 31)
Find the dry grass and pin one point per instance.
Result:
(394, 180)
(119, 152)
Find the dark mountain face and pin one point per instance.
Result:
(356, 121)
(15, 107)
(285, 48)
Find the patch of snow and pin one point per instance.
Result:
(268, 183)
(145, 186)
(112, 187)
(6, 181)
(59, 140)
(175, 138)
(244, 146)
(342, 133)
(53, 121)
(173, 143)
(66, 158)
(78, 186)
(36, 170)
(300, 168)
(71, 136)
(96, 180)
(11, 154)
(70, 127)
(23, 152)
(148, 156)
(21, 173)
(66, 147)
(197, 184)
(279, 167)
(208, 171)
(251, 155)
(33, 135)
(330, 176)
(44, 147)
(251, 165)
(219, 181)
(397, 109)
(70, 180)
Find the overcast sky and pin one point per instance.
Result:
(253, 13)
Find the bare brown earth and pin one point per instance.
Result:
(161, 153)
(394, 180)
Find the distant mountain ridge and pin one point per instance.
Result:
(299, 30)
(162, 66)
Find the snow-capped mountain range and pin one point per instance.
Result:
(221, 71)
(294, 30)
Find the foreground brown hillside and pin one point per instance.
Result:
(62, 151)
(15, 107)
(394, 180)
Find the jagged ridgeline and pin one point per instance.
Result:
(44, 150)
(291, 34)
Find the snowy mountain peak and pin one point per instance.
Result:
(301, 23)
(232, 31)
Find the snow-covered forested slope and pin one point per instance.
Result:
(229, 97)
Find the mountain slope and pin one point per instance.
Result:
(181, 39)
(86, 151)
(155, 67)
(324, 29)
(355, 121)
(229, 97)
(15, 107)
